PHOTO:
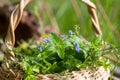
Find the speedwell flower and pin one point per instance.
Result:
(40, 48)
(63, 36)
(77, 48)
(46, 40)
(70, 32)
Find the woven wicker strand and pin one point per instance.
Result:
(93, 16)
(14, 21)
(84, 74)
(9, 40)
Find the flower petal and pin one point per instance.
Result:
(77, 48)
(70, 32)
(46, 40)
(40, 48)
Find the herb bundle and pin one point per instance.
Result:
(59, 53)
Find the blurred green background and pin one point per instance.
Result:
(65, 14)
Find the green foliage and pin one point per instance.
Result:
(56, 54)
(31, 77)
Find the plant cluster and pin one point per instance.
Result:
(58, 53)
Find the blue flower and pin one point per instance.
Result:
(77, 48)
(40, 48)
(46, 40)
(70, 32)
(63, 36)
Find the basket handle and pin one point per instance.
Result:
(92, 11)
(15, 18)
(17, 15)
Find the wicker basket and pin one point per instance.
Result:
(84, 74)
(98, 73)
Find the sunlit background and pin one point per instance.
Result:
(65, 14)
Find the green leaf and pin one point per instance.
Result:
(29, 70)
(31, 77)
(60, 52)
(24, 65)
(50, 47)
(67, 43)
(35, 69)
(47, 63)
(58, 45)
(97, 40)
(55, 39)
(74, 39)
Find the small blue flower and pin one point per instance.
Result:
(77, 48)
(70, 32)
(63, 36)
(46, 40)
(40, 48)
